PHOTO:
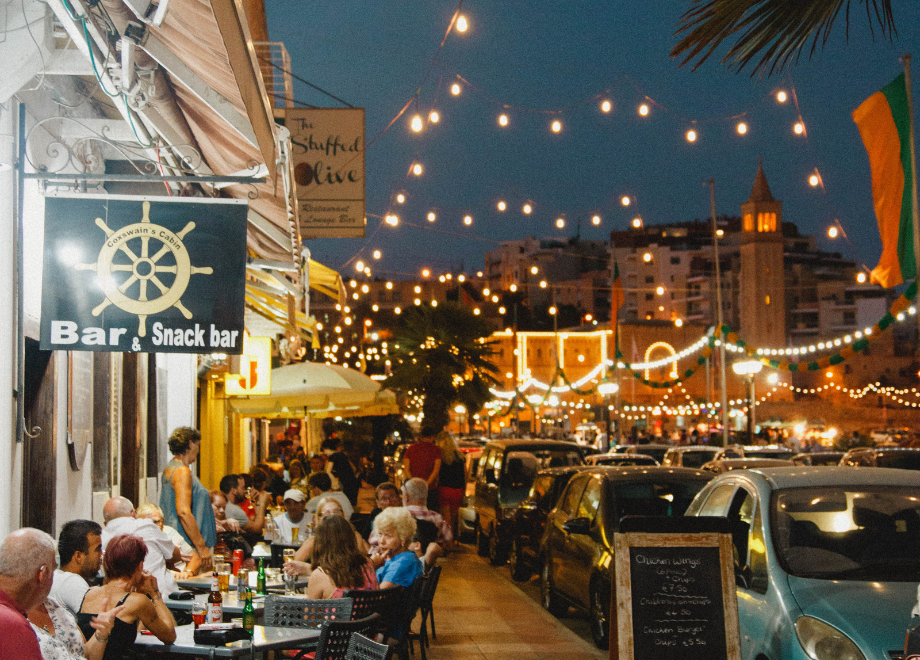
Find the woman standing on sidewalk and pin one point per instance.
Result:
(451, 480)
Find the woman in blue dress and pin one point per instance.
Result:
(185, 501)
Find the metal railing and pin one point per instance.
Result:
(275, 63)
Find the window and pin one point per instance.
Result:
(569, 501)
(717, 502)
(649, 296)
(766, 222)
(649, 279)
(675, 261)
(758, 555)
(767, 299)
(587, 507)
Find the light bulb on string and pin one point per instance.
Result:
(392, 220)
(560, 223)
(596, 220)
(503, 120)
(426, 272)
(556, 126)
(455, 89)
(624, 200)
(799, 128)
(781, 96)
(501, 206)
(832, 232)
(643, 110)
(359, 265)
(637, 223)
(400, 198)
(432, 217)
(527, 209)
(467, 220)
(417, 169)
(417, 123)
(462, 24)
(742, 128)
(606, 106)
(434, 117)
(691, 135)
(814, 180)
(534, 270)
(377, 254)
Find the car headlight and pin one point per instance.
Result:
(823, 642)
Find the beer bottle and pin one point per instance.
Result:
(215, 602)
(249, 614)
(260, 578)
(241, 585)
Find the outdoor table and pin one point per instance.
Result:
(203, 583)
(265, 638)
(232, 603)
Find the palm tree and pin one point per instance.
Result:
(781, 28)
(443, 354)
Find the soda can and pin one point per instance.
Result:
(237, 561)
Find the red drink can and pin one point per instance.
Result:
(237, 561)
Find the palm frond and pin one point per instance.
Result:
(775, 31)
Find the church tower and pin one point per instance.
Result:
(762, 278)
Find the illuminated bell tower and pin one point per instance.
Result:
(762, 281)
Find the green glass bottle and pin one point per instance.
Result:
(260, 578)
(249, 614)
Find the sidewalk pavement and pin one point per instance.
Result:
(480, 614)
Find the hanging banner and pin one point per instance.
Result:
(327, 146)
(148, 274)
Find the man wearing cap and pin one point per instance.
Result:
(292, 518)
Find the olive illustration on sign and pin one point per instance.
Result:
(146, 284)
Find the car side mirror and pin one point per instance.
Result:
(577, 526)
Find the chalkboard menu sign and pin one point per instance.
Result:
(675, 591)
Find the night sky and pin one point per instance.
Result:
(568, 56)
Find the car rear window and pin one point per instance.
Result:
(896, 459)
(695, 459)
(651, 498)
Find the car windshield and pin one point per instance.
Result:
(652, 498)
(768, 453)
(848, 533)
(906, 460)
(696, 458)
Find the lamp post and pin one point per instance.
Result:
(749, 368)
(606, 388)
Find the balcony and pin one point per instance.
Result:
(275, 63)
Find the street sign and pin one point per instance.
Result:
(150, 274)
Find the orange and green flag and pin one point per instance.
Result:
(883, 120)
(617, 300)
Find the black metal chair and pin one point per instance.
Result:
(384, 602)
(427, 604)
(335, 636)
(401, 632)
(294, 612)
(362, 648)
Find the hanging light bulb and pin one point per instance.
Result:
(560, 223)
(556, 126)
(814, 180)
(637, 223)
(417, 123)
(434, 117)
(691, 135)
(503, 120)
(502, 206)
(552, 311)
(359, 265)
(832, 232)
(742, 128)
(400, 198)
(624, 200)
(799, 128)
(417, 169)
(596, 220)
(426, 272)
(528, 209)
(861, 278)
(377, 254)
(432, 217)
(455, 89)
(467, 220)
(781, 96)
(643, 110)
(606, 106)
(534, 270)
(392, 220)
(462, 24)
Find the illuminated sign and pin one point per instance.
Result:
(255, 377)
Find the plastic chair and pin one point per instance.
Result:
(384, 602)
(335, 636)
(294, 612)
(362, 648)
(427, 604)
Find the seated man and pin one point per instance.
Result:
(234, 490)
(321, 486)
(292, 518)
(385, 495)
(26, 571)
(415, 495)
(188, 566)
(80, 551)
(121, 518)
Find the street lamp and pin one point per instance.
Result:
(605, 388)
(749, 368)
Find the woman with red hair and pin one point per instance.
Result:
(126, 583)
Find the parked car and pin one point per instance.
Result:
(729, 452)
(727, 464)
(826, 558)
(818, 458)
(768, 451)
(530, 519)
(906, 458)
(691, 456)
(576, 552)
(620, 459)
(466, 517)
(503, 481)
(656, 451)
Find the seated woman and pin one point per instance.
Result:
(326, 507)
(128, 586)
(337, 563)
(395, 529)
(59, 636)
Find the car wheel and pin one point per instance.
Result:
(482, 541)
(600, 615)
(520, 571)
(497, 553)
(551, 601)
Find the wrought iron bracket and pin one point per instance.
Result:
(81, 176)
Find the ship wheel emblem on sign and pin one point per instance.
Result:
(143, 269)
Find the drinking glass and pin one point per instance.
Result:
(290, 584)
(295, 532)
(223, 576)
(288, 554)
(199, 612)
